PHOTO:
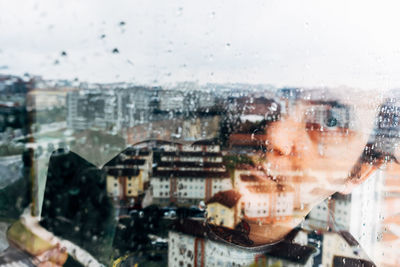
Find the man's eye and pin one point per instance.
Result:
(332, 120)
(323, 119)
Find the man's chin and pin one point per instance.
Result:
(262, 233)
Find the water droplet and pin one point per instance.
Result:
(180, 11)
(202, 206)
(273, 107)
(320, 149)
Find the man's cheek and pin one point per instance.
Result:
(275, 164)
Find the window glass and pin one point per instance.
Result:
(217, 133)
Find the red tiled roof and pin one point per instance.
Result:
(250, 178)
(243, 166)
(227, 198)
(247, 139)
(191, 174)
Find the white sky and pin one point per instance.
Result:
(294, 43)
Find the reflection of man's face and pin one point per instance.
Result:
(318, 142)
(312, 149)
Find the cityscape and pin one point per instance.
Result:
(182, 172)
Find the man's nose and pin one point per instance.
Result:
(283, 137)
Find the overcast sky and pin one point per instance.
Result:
(284, 43)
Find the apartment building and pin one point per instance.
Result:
(188, 173)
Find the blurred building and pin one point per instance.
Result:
(110, 108)
(342, 245)
(187, 174)
(128, 176)
(14, 115)
(359, 213)
(264, 203)
(386, 251)
(246, 143)
(92, 109)
(190, 129)
(191, 243)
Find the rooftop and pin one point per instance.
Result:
(190, 164)
(192, 154)
(190, 174)
(227, 198)
(291, 252)
(340, 261)
(122, 171)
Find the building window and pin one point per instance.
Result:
(129, 191)
(189, 254)
(115, 185)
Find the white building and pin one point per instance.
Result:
(187, 174)
(263, 199)
(171, 100)
(359, 213)
(128, 175)
(188, 246)
(340, 244)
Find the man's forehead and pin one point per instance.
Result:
(351, 97)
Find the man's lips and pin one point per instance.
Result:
(313, 188)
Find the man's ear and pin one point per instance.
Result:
(364, 172)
